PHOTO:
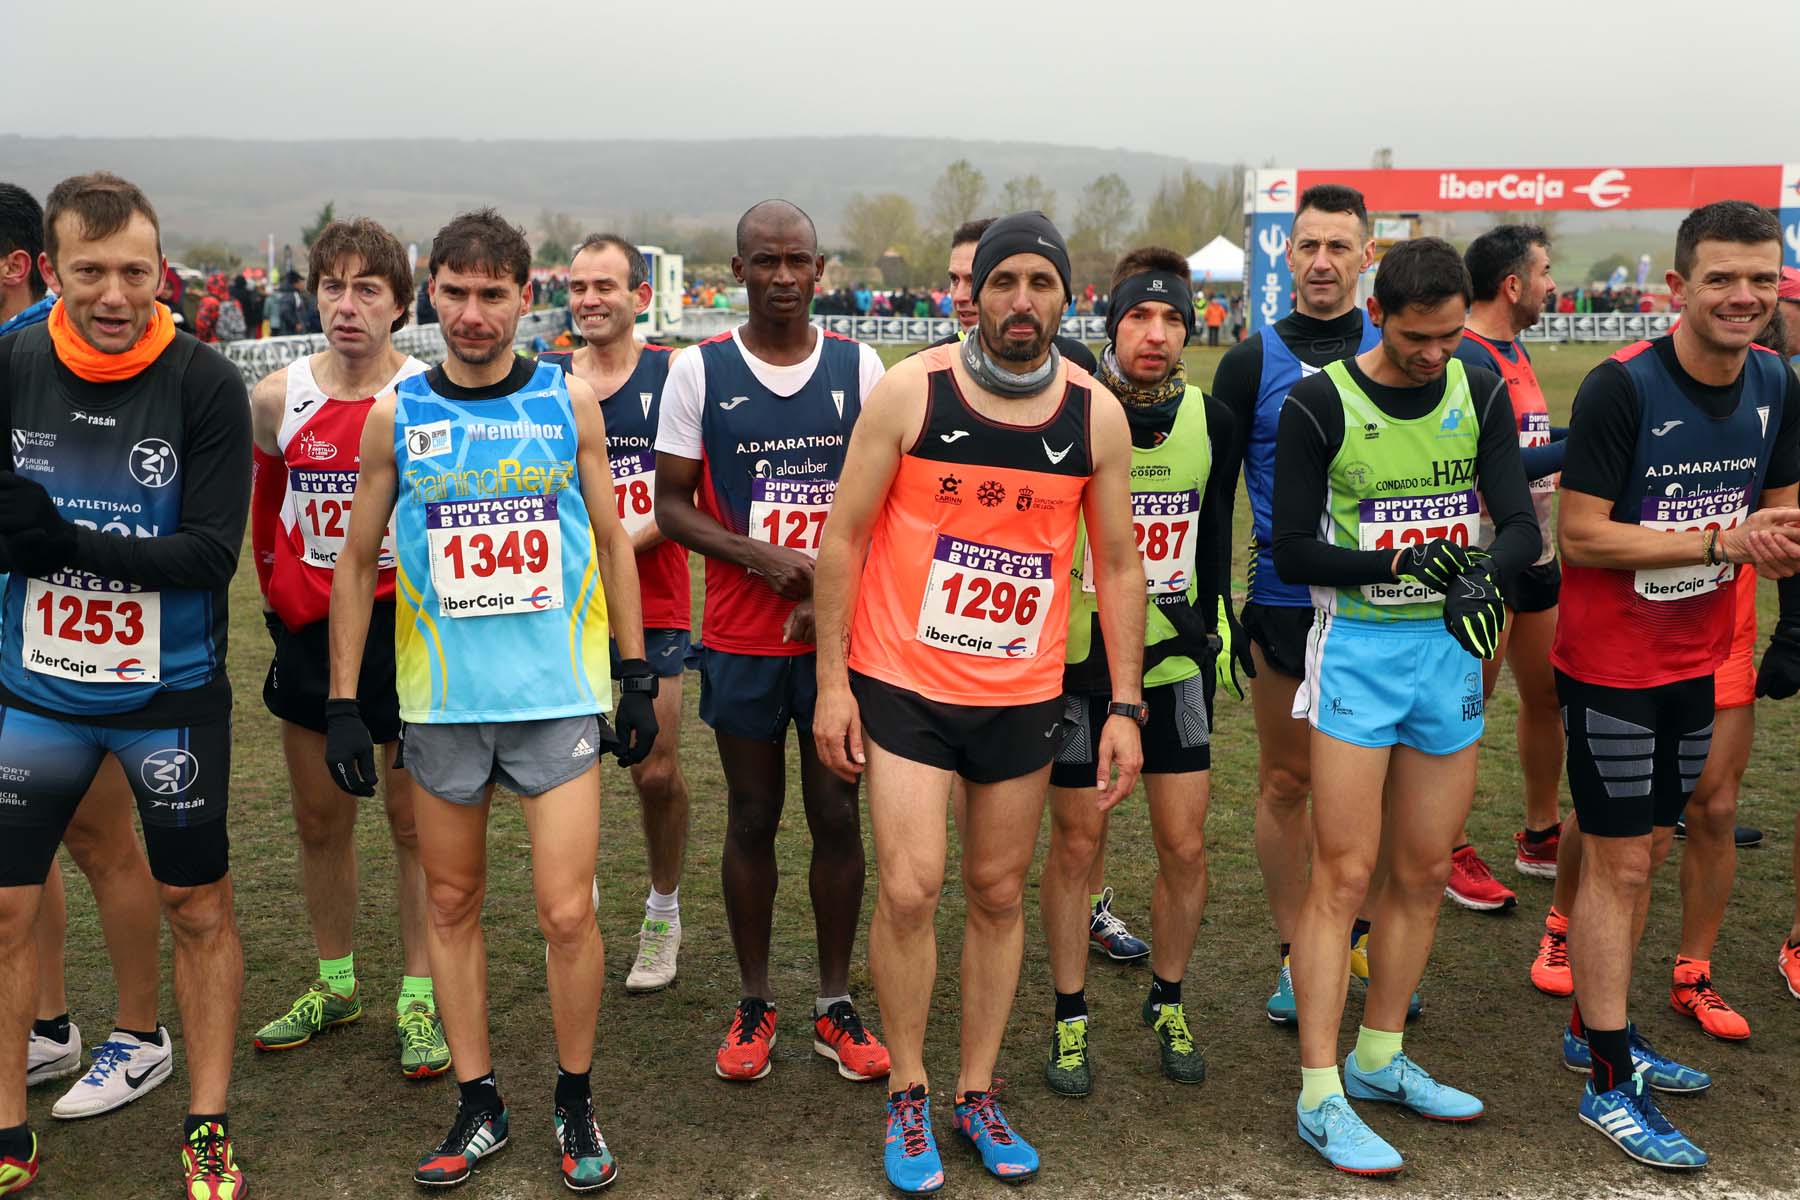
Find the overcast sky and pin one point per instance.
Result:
(1308, 83)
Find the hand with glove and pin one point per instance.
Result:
(38, 539)
(1431, 564)
(635, 719)
(1474, 611)
(1234, 652)
(1779, 676)
(349, 750)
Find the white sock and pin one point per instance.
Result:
(824, 1003)
(661, 907)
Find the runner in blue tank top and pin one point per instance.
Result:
(512, 566)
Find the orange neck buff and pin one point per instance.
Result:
(96, 366)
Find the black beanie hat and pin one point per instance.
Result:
(1020, 233)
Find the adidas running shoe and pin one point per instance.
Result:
(17, 1173)
(910, 1155)
(1661, 1073)
(1181, 1059)
(587, 1165)
(745, 1053)
(1405, 1082)
(1692, 994)
(1281, 1008)
(1007, 1156)
(1550, 972)
(1108, 935)
(1630, 1119)
(317, 1010)
(1335, 1131)
(473, 1136)
(839, 1035)
(209, 1166)
(1068, 1072)
(424, 1054)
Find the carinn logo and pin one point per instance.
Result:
(947, 494)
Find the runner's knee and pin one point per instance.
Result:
(995, 892)
(1284, 791)
(196, 912)
(656, 777)
(567, 918)
(455, 901)
(323, 825)
(1341, 880)
(1419, 874)
(1181, 855)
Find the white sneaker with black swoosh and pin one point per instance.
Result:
(50, 1059)
(124, 1069)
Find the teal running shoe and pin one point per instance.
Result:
(911, 1154)
(1007, 1156)
(1335, 1131)
(1281, 1008)
(1661, 1073)
(1404, 1081)
(1630, 1119)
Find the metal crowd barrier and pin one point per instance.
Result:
(914, 330)
(1599, 327)
(256, 357)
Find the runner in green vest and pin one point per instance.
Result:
(1381, 464)
(1187, 565)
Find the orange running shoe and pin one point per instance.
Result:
(839, 1035)
(1788, 963)
(1550, 972)
(744, 1054)
(1693, 994)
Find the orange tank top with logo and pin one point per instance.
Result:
(964, 596)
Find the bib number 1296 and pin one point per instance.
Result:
(985, 600)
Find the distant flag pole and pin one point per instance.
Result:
(271, 258)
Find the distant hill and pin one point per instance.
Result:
(238, 191)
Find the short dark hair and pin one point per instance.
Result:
(970, 231)
(482, 240)
(637, 268)
(785, 208)
(22, 228)
(379, 252)
(1424, 271)
(1500, 252)
(102, 201)
(1334, 197)
(1149, 258)
(1723, 221)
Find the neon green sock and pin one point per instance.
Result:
(1319, 1084)
(339, 974)
(415, 988)
(1094, 899)
(1375, 1049)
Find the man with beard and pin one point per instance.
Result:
(944, 591)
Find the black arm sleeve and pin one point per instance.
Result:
(1235, 382)
(1308, 437)
(1501, 478)
(1603, 429)
(215, 495)
(1784, 461)
(1214, 533)
(1540, 461)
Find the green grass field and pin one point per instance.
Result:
(336, 1120)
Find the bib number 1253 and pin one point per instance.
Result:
(92, 630)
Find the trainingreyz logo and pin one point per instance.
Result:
(539, 599)
(170, 771)
(153, 463)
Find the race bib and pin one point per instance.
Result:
(1699, 511)
(1165, 525)
(1395, 522)
(1534, 430)
(92, 630)
(790, 512)
(634, 487)
(322, 512)
(495, 556)
(985, 600)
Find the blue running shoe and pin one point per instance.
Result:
(1107, 934)
(1281, 1008)
(1404, 1081)
(1006, 1155)
(911, 1155)
(1630, 1118)
(1334, 1130)
(1661, 1073)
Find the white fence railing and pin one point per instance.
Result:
(255, 358)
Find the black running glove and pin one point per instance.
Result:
(1433, 564)
(1474, 612)
(349, 750)
(1779, 676)
(635, 719)
(38, 539)
(1234, 652)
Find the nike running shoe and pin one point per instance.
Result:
(1107, 934)
(1404, 1081)
(839, 1035)
(49, 1059)
(1746, 837)
(1536, 859)
(1281, 1008)
(1335, 1131)
(1787, 962)
(1550, 972)
(1181, 1059)
(1692, 994)
(910, 1155)
(1359, 973)
(424, 1054)
(1068, 1072)
(1629, 1117)
(473, 1136)
(1472, 884)
(124, 1069)
(1007, 1156)
(587, 1165)
(659, 941)
(317, 1010)
(17, 1173)
(1661, 1073)
(744, 1054)
(209, 1165)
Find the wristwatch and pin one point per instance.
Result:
(638, 683)
(1139, 712)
